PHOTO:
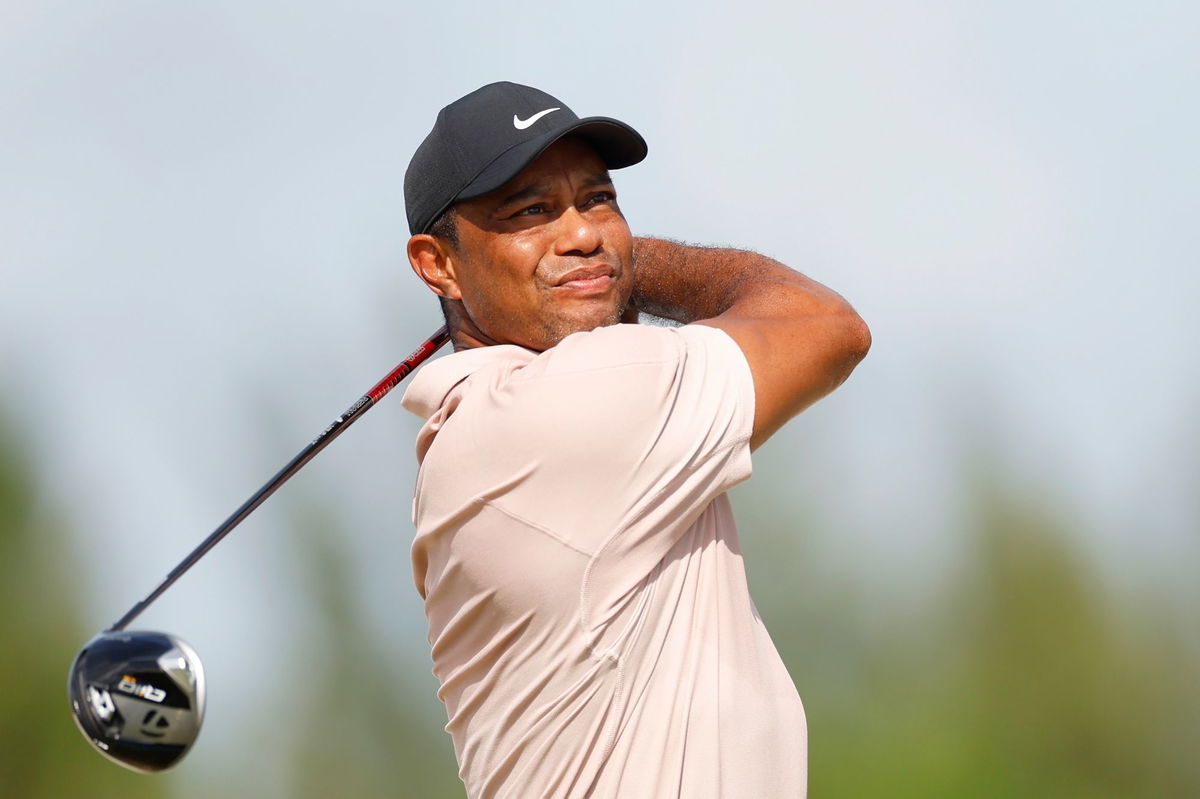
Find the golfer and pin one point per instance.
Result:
(589, 618)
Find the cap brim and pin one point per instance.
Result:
(617, 144)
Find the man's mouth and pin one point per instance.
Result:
(587, 278)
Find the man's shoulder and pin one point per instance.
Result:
(638, 374)
(620, 359)
(584, 368)
(630, 344)
(612, 346)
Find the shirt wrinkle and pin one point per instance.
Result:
(534, 526)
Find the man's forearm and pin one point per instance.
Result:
(686, 283)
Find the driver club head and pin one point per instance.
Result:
(138, 697)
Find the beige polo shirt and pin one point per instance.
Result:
(589, 616)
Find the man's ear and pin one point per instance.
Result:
(433, 261)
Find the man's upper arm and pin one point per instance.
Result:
(801, 341)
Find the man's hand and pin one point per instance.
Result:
(801, 339)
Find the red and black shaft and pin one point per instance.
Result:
(352, 414)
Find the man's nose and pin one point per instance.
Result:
(577, 234)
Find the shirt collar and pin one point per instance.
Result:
(430, 387)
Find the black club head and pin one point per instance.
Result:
(138, 697)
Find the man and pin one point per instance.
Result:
(588, 611)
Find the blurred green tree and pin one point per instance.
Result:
(1026, 676)
(366, 730)
(42, 755)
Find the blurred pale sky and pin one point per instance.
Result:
(202, 236)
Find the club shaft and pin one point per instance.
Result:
(336, 428)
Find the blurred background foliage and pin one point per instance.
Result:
(1022, 671)
(42, 755)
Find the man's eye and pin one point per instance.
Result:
(601, 197)
(530, 210)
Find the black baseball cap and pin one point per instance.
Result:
(481, 141)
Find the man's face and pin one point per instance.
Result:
(547, 254)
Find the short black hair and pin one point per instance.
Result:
(446, 227)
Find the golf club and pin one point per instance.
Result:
(138, 697)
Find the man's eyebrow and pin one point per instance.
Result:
(529, 192)
(599, 179)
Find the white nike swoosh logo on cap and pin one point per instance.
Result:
(521, 124)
